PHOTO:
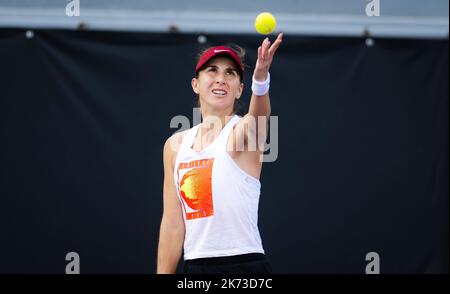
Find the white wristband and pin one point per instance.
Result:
(260, 88)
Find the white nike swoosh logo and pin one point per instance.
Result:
(217, 51)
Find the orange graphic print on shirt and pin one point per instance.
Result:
(195, 188)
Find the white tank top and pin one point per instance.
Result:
(219, 199)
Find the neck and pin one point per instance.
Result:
(215, 119)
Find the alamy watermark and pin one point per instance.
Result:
(253, 139)
(73, 266)
(373, 267)
(73, 8)
(373, 8)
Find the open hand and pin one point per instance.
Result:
(265, 56)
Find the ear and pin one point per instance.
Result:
(195, 86)
(241, 88)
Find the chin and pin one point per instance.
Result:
(221, 104)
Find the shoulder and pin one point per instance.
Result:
(245, 126)
(172, 145)
(246, 120)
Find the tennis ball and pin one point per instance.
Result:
(265, 23)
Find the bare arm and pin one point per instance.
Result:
(171, 236)
(260, 105)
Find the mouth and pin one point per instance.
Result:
(219, 92)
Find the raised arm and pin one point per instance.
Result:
(260, 105)
(249, 127)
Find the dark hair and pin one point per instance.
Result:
(240, 52)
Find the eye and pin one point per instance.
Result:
(212, 69)
(231, 72)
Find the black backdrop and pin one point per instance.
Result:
(362, 150)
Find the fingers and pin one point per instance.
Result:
(267, 50)
(276, 44)
(264, 48)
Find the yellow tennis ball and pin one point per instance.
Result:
(265, 23)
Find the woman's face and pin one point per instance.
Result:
(218, 84)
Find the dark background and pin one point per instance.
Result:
(362, 153)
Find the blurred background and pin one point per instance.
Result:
(88, 90)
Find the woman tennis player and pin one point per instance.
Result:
(211, 175)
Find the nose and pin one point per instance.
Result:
(220, 79)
